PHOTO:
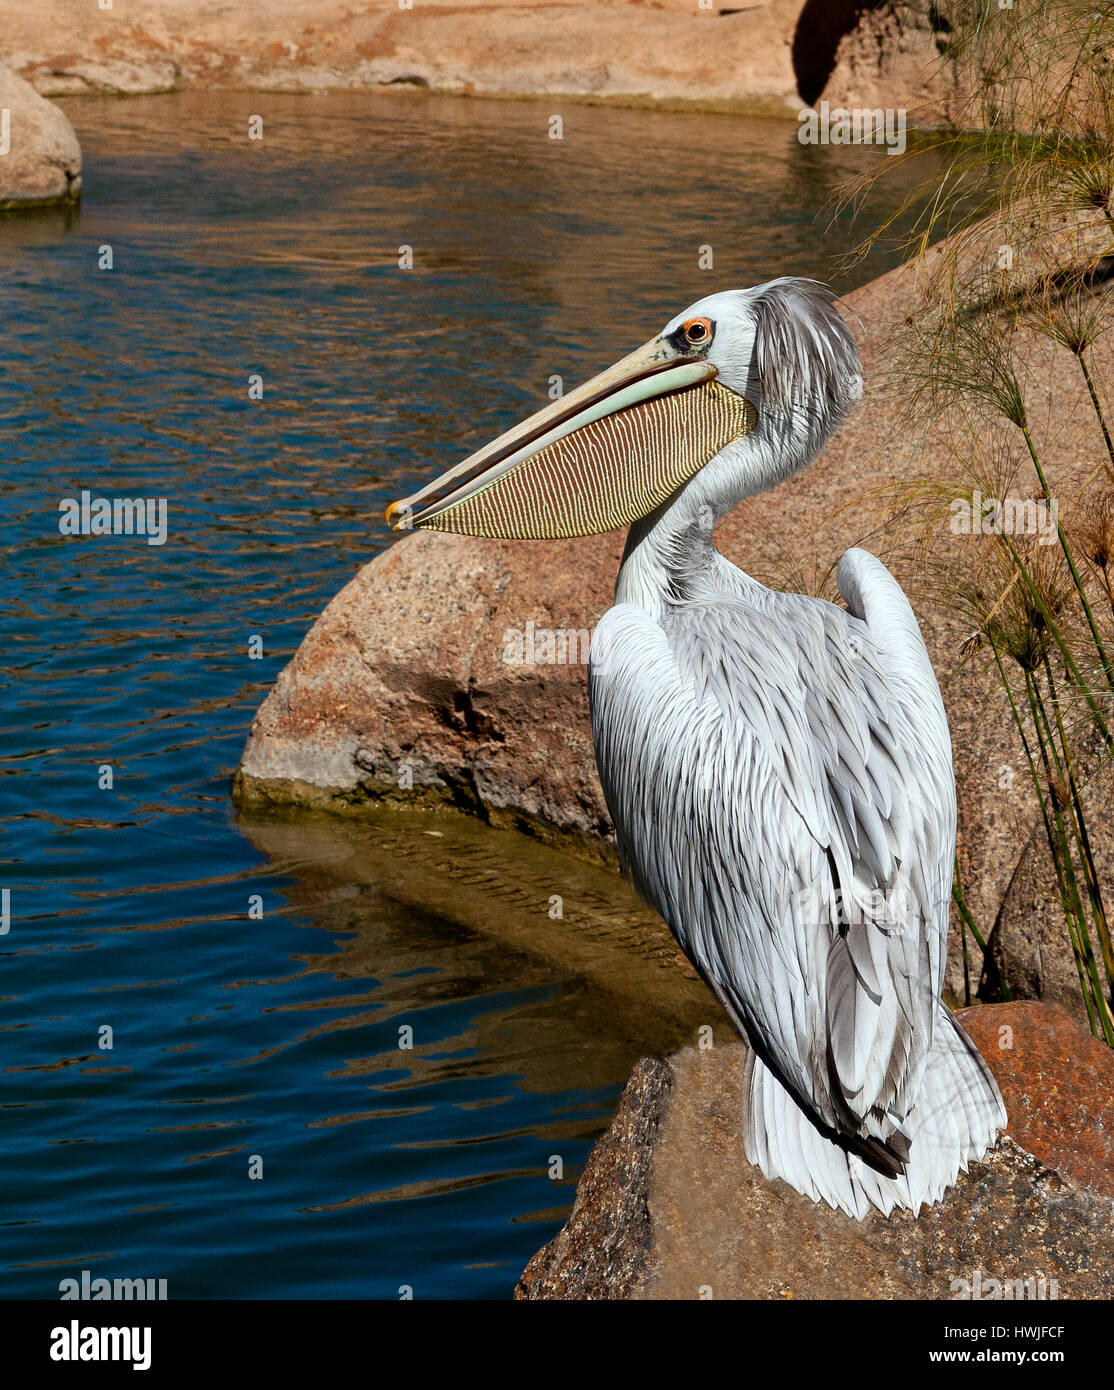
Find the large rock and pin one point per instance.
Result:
(770, 55)
(40, 159)
(402, 689)
(669, 1208)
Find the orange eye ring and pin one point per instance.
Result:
(698, 332)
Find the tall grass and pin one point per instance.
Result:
(1023, 278)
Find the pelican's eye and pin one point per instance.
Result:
(698, 332)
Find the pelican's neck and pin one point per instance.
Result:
(670, 556)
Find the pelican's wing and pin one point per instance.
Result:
(779, 773)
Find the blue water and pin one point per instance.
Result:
(233, 1039)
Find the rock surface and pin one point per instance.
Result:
(768, 55)
(40, 159)
(669, 1208)
(402, 690)
(1058, 1085)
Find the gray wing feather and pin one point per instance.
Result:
(779, 773)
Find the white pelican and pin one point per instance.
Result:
(778, 768)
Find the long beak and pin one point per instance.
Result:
(593, 460)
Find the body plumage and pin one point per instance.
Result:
(778, 768)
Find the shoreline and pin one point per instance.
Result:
(742, 108)
(771, 58)
(784, 117)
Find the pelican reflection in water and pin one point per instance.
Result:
(778, 768)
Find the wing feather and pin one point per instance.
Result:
(779, 774)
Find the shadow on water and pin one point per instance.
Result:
(490, 905)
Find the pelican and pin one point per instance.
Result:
(778, 768)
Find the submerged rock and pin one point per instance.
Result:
(669, 1208)
(40, 159)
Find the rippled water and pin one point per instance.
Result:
(276, 1040)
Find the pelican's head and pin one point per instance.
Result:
(752, 380)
